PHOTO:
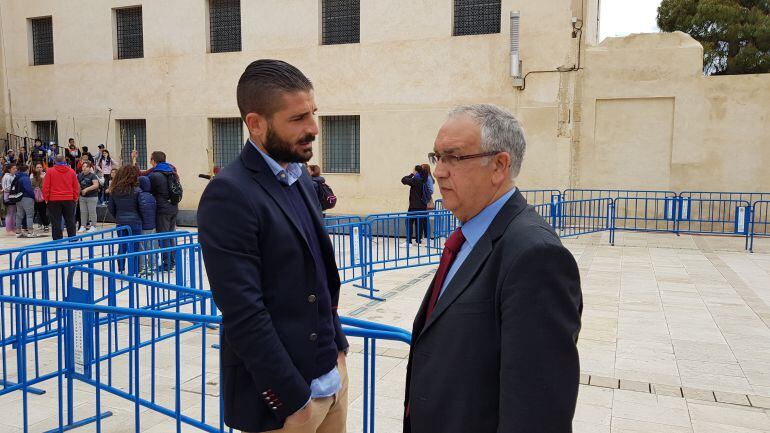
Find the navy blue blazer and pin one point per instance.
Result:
(264, 282)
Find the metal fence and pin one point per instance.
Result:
(151, 343)
(586, 194)
(76, 312)
(582, 217)
(713, 216)
(760, 221)
(640, 213)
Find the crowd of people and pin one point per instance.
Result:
(25, 206)
(49, 189)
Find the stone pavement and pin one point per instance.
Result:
(675, 338)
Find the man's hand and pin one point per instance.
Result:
(301, 416)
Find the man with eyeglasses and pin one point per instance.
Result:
(494, 343)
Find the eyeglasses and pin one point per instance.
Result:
(452, 160)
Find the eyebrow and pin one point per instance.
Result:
(304, 113)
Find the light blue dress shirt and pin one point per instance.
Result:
(287, 176)
(329, 383)
(472, 231)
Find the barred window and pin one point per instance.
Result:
(133, 136)
(47, 131)
(341, 21)
(226, 139)
(42, 41)
(476, 17)
(128, 33)
(341, 144)
(225, 25)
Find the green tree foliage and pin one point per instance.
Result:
(735, 34)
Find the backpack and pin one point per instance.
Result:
(326, 196)
(15, 194)
(174, 188)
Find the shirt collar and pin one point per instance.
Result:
(286, 176)
(478, 225)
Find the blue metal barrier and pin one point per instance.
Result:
(587, 194)
(8, 255)
(541, 196)
(582, 217)
(351, 249)
(40, 272)
(389, 238)
(341, 219)
(713, 216)
(750, 197)
(760, 221)
(654, 214)
(159, 335)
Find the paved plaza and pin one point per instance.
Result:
(675, 338)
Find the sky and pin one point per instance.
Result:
(622, 17)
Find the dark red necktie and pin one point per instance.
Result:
(451, 248)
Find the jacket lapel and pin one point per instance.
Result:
(476, 259)
(254, 161)
(461, 280)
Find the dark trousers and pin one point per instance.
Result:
(41, 213)
(417, 226)
(58, 209)
(123, 249)
(166, 223)
(103, 195)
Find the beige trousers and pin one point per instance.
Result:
(329, 414)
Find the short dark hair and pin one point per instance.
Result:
(22, 167)
(38, 140)
(263, 81)
(71, 139)
(158, 156)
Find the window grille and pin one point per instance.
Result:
(47, 131)
(225, 25)
(341, 21)
(341, 144)
(133, 135)
(476, 17)
(130, 42)
(42, 41)
(227, 140)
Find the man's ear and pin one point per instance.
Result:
(257, 125)
(502, 167)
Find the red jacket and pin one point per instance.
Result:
(60, 184)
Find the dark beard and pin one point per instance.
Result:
(283, 151)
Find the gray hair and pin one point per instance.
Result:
(500, 131)
(59, 158)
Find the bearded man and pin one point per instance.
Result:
(272, 269)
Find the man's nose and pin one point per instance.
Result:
(313, 127)
(440, 171)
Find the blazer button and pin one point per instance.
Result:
(313, 337)
(311, 299)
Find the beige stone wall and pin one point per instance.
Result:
(583, 127)
(406, 73)
(652, 120)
